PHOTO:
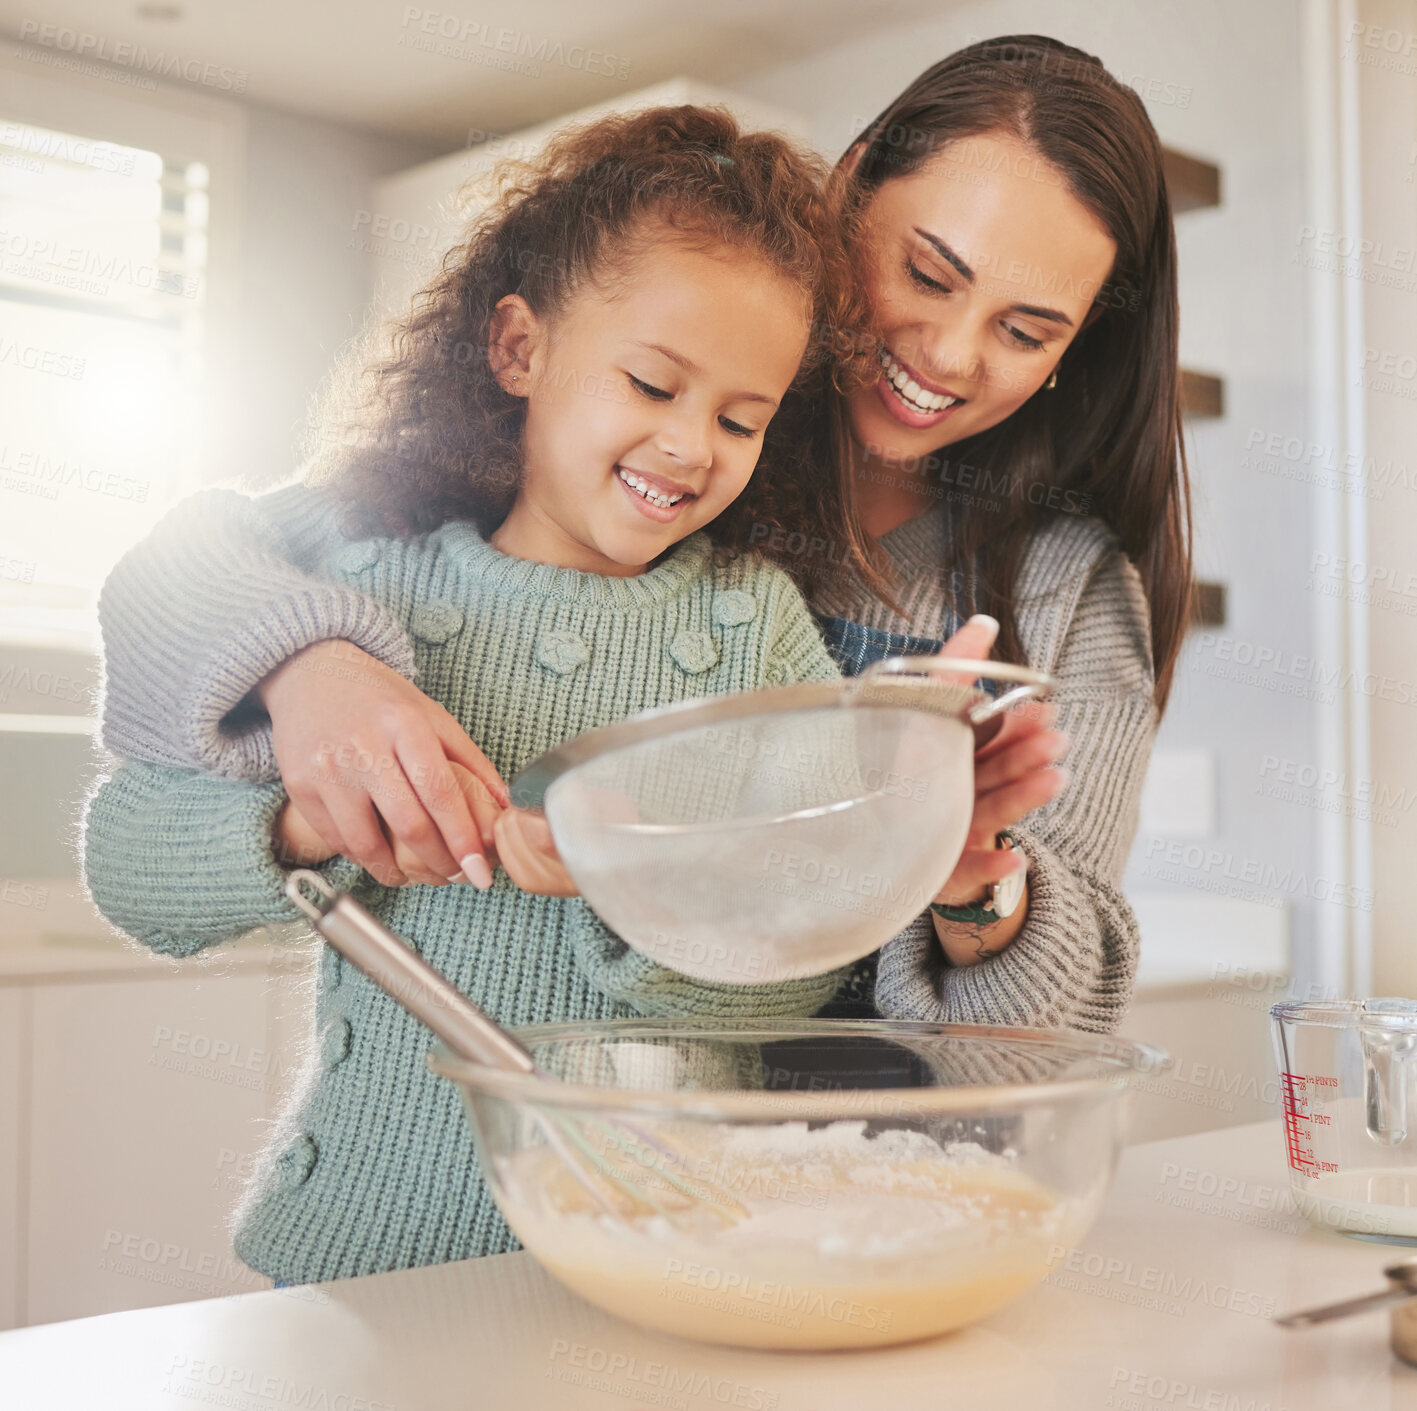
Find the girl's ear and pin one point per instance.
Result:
(513, 338)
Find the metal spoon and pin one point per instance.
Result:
(1402, 1280)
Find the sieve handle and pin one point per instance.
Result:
(1028, 684)
(397, 969)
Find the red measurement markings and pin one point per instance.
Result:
(1298, 1133)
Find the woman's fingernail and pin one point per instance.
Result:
(457, 877)
(982, 619)
(476, 870)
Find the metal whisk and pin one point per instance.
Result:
(607, 1159)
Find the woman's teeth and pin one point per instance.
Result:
(647, 491)
(910, 391)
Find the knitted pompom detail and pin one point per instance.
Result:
(561, 652)
(694, 651)
(297, 1161)
(733, 607)
(435, 622)
(335, 1043)
(356, 557)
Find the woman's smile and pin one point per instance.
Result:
(909, 397)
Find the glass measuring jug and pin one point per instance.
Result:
(1345, 1070)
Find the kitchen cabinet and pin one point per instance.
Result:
(134, 1094)
(138, 1091)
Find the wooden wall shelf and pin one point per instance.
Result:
(1207, 604)
(1193, 185)
(1192, 182)
(1202, 395)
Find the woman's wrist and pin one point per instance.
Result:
(319, 656)
(970, 942)
(968, 925)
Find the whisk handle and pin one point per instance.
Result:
(397, 969)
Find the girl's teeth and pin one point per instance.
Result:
(910, 390)
(642, 488)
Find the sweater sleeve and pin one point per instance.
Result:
(1074, 961)
(181, 860)
(240, 573)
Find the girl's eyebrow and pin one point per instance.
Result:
(967, 274)
(690, 366)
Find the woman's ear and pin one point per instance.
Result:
(513, 338)
(851, 157)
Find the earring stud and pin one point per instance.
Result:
(1052, 380)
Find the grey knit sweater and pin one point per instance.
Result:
(240, 573)
(1083, 618)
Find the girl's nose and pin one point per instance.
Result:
(685, 439)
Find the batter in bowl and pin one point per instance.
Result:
(840, 1239)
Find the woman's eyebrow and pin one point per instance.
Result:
(1052, 315)
(947, 254)
(967, 274)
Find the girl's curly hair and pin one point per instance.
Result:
(415, 429)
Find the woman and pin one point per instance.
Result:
(1017, 457)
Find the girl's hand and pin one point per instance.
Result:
(528, 852)
(362, 751)
(295, 842)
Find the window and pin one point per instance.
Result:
(103, 254)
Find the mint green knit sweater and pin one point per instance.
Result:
(373, 1167)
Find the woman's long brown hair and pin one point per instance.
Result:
(1110, 436)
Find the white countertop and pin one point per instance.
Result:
(494, 1333)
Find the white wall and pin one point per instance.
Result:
(305, 277)
(1222, 81)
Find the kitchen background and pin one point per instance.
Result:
(198, 206)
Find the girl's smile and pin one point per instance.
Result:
(652, 495)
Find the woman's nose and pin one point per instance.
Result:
(956, 351)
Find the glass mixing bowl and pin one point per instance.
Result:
(814, 1183)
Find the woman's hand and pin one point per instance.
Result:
(1014, 774)
(522, 844)
(367, 758)
(484, 809)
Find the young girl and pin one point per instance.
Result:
(586, 388)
